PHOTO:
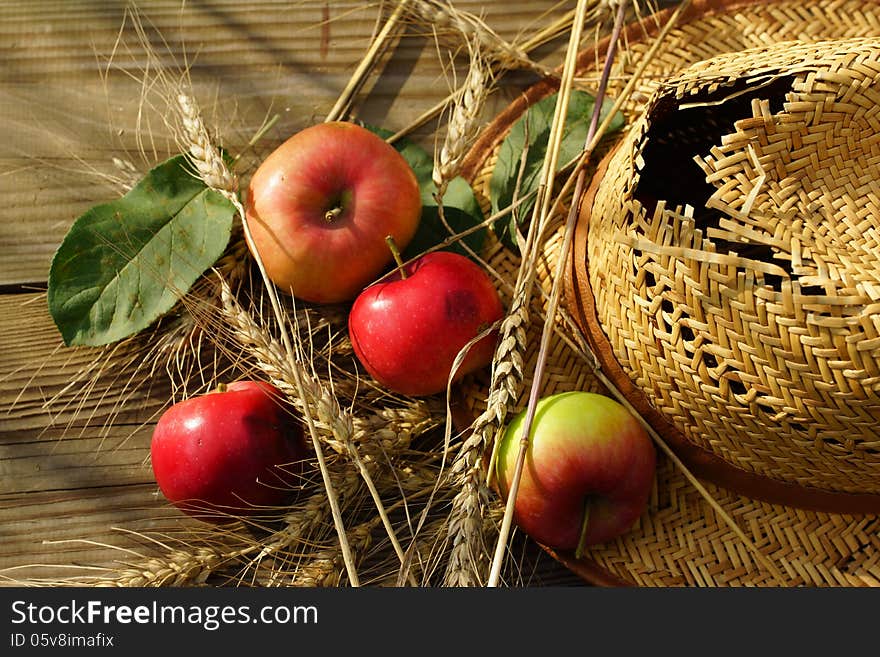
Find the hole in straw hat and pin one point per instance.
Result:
(679, 134)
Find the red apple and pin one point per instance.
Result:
(408, 328)
(321, 205)
(588, 472)
(228, 452)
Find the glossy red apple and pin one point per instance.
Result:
(408, 328)
(232, 452)
(320, 206)
(588, 472)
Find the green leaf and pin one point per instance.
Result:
(461, 211)
(124, 264)
(460, 207)
(531, 133)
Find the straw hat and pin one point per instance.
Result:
(726, 274)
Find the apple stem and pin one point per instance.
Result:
(585, 523)
(395, 252)
(221, 387)
(332, 215)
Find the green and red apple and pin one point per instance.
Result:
(588, 472)
(320, 206)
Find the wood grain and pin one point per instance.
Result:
(74, 95)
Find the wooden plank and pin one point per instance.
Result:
(45, 385)
(73, 460)
(61, 534)
(63, 460)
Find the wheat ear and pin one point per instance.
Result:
(323, 567)
(336, 425)
(178, 568)
(466, 474)
(464, 119)
(200, 148)
(461, 129)
(442, 16)
(466, 519)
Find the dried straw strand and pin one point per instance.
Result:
(543, 206)
(443, 17)
(368, 61)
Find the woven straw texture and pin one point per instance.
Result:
(750, 321)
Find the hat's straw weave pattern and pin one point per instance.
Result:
(681, 540)
(741, 295)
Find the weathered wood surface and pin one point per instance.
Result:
(71, 100)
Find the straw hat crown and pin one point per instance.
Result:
(734, 255)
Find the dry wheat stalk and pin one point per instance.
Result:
(178, 342)
(321, 336)
(444, 18)
(328, 410)
(467, 474)
(464, 119)
(299, 386)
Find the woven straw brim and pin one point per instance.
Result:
(691, 537)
